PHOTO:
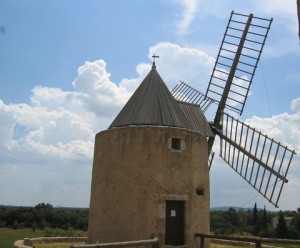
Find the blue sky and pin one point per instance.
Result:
(68, 67)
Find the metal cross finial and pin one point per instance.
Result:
(154, 56)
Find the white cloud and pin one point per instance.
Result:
(55, 132)
(62, 124)
(280, 8)
(182, 63)
(95, 89)
(295, 104)
(52, 138)
(189, 11)
(284, 128)
(284, 28)
(284, 12)
(131, 84)
(175, 64)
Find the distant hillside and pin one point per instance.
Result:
(71, 208)
(236, 208)
(56, 207)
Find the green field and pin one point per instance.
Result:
(9, 236)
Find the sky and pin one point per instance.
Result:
(68, 67)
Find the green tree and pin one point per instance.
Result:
(281, 229)
(232, 217)
(43, 215)
(255, 223)
(2, 216)
(295, 225)
(254, 215)
(265, 219)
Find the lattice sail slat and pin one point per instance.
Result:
(185, 93)
(237, 60)
(261, 161)
(210, 159)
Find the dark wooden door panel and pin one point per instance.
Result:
(174, 223)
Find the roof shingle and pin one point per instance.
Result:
(153, 104)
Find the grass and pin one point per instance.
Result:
(9, 236)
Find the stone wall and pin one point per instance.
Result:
(135, 171)
(30, 243)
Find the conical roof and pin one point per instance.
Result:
(153, 104)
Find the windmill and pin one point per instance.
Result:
(258, 159)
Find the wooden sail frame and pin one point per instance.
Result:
(237, 61)
(185, 93)
(260, 160)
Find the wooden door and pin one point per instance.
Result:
(174, 233)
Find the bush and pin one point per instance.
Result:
(42, 216)
(56, 232)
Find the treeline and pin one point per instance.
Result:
(43, 216)
(255, 222)
(260, 223)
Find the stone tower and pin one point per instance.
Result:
(150, 170)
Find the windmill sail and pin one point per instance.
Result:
(236, 63)
(185, 93)
(210, 159)
(261, 161)
(237, 60)
(182, 92)
(258, 159)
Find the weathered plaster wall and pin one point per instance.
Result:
(135, 171)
